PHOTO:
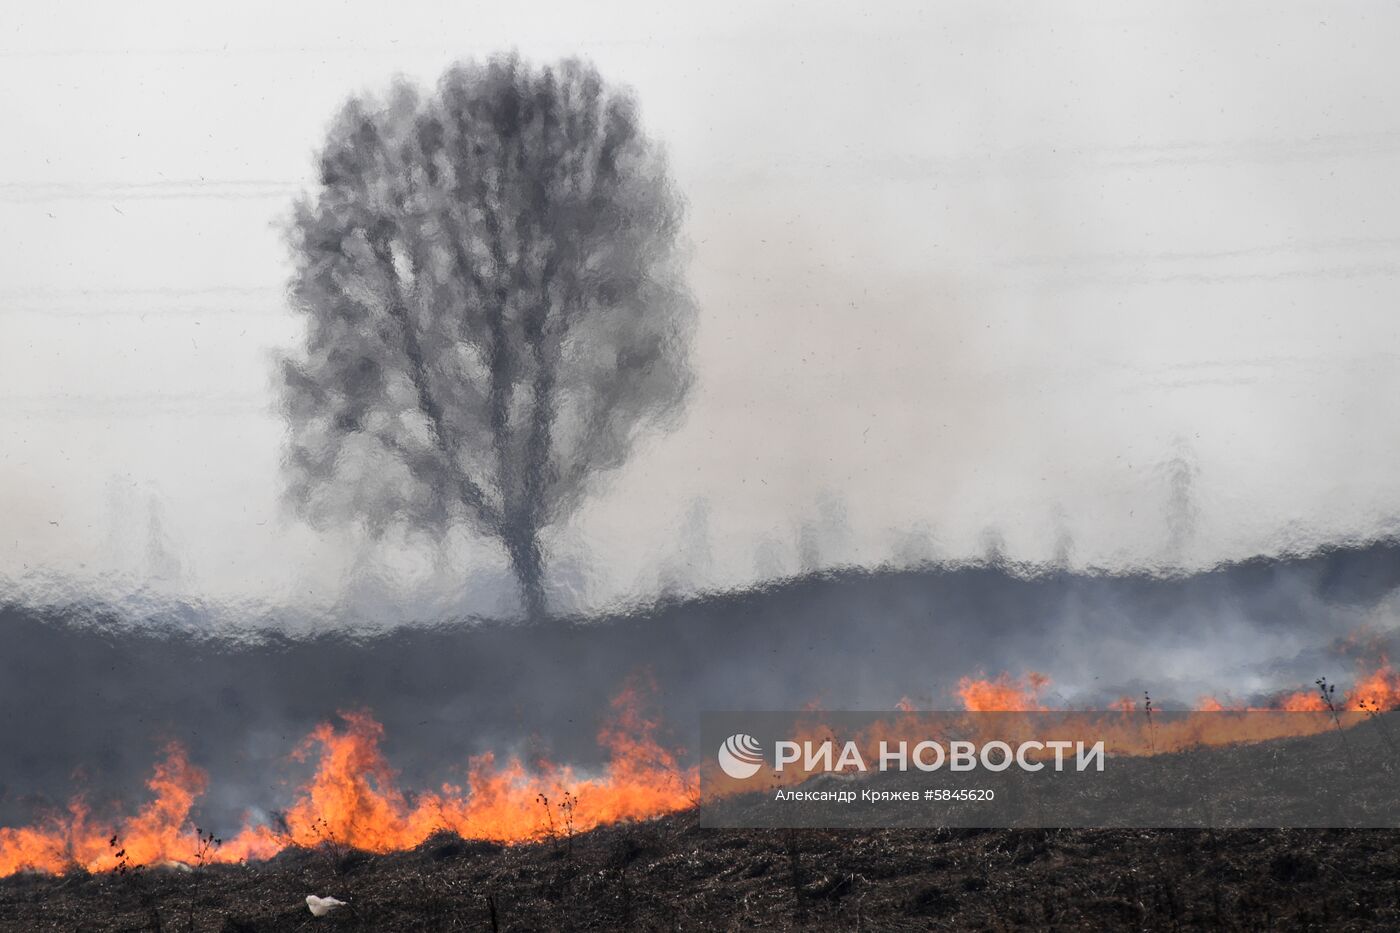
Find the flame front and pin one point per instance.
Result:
(162, 827)
(1131, 728)
(353, 800)
(1003, 694)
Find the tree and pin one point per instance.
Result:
(495, 307)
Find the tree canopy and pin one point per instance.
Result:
(495, 306)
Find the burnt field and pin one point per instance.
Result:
(670, 874)
(94, 699)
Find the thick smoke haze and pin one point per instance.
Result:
(1054, 339)
(101, 699)
(958, 298)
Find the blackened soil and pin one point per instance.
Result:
(670, 874)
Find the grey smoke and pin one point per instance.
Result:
(91, 697)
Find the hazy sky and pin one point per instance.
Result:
(1108, 282)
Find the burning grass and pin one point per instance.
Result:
(353, 801)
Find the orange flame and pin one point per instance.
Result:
(353, 800)
(1374, 691)
(1003, 693)
(152, 835)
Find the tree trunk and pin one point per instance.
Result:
(523, 546)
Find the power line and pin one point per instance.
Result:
(1172, 256)
(1024, 159)
(1337, 272)
(46, 192)
(76, 312)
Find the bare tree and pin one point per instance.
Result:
(495, 306)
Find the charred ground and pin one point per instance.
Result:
(672, 875)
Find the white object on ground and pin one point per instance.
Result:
(320, 906)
